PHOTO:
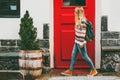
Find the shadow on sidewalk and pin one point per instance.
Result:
(10, 76)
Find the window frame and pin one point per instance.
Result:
(73, 5)
(7, 13)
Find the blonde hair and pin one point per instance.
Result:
(79, 12)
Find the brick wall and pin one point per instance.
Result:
(110, 42)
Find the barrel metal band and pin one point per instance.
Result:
(30, 68)
(30, 58)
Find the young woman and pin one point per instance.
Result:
(80, 42)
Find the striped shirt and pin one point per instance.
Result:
(80, 35)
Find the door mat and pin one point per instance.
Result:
(75, 72)
(85, 78)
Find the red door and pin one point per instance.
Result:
(64, 32)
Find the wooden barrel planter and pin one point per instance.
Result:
(30, 62)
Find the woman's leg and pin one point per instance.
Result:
(73, 59)
(84, 54)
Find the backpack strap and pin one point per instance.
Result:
(89, 31)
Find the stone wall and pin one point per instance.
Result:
(9, 51)
(110, 42)
(110, 46)
(9, 61)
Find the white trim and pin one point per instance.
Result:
(51, 40)
(98, 32)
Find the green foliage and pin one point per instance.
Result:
(28, 34)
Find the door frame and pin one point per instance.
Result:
(98, 10)
(97, 31)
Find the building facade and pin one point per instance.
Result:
(42, 13)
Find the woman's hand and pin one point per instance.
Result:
(81, 46)
(84, 25)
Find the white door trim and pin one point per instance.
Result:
(51, 34)
(98, 34)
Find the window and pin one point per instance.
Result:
(9, 8)
(74, 2)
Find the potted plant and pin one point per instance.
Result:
(30, 56)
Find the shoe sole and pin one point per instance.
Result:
(66, 74)
(94, 74)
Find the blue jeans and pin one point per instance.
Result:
(84, 54)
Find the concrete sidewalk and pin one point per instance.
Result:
(56, 73)
(78, 73)
(85, 78)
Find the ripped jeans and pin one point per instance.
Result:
(84, 54)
